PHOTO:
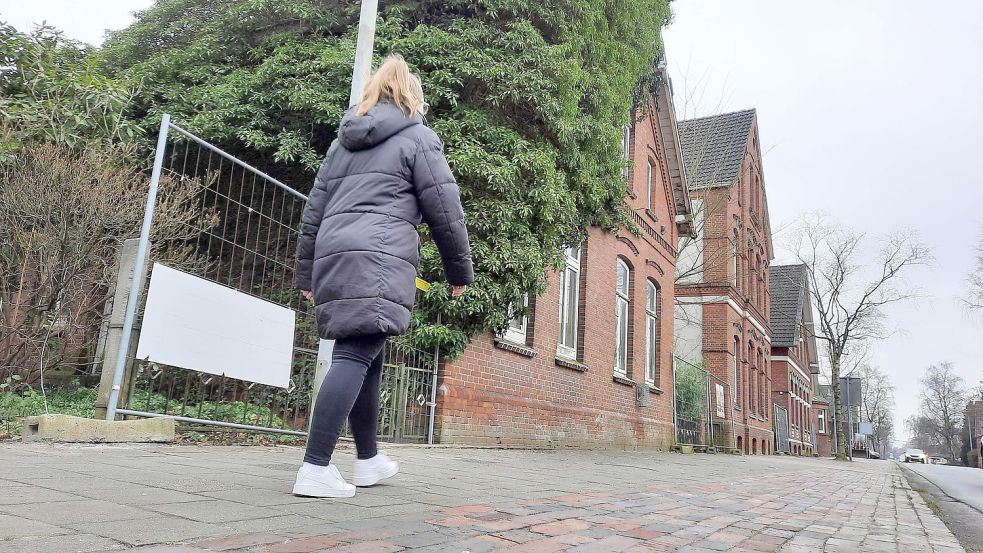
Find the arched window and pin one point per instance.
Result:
(648, 185)
(569, 304)
(748, 393)
(622, 302)
(652, 338)
(735, 370)
(626, 151)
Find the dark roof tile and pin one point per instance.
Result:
(787, 300)
(713, 147)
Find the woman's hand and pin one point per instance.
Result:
(456, 291)
(307, 294)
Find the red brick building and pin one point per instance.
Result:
(822, 420)
(591, 364)
(722, 293)
(794, 357)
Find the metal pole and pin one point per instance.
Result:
(363, 49)
(675, 409)
(849, 418)
(433, 389)
(709, 412)
(134, 296)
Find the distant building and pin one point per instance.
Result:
(794, 357)
(722, 295)
(973, 428)
(822, 420)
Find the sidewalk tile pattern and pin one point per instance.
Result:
(179, 499)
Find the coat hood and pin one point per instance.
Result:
(361, 132)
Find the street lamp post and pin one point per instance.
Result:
(360, 74)
(363, 49)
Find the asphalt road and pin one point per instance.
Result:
(960, 483)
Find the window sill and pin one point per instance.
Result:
(654, 389)
(623, 380)
(521, 349)
(652, 215)
(632, 195)
(571, 364)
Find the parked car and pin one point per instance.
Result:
(914, 455)
(938, 460)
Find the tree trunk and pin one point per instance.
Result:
(842, 421)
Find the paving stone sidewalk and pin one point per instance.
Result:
(183, 499)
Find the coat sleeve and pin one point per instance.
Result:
(440, 204)
(310, 225)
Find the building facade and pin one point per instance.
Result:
(822, 420)
(722, 295)
(973, 429)
(794, 358)
(591, 361)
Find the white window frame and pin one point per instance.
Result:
(518, 333)
(622, 309)
(648, 185)
(822, 421)
(735, 367)
(651, 330)
(569, 314)
(625, 149)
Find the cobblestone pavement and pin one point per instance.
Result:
(182, 499)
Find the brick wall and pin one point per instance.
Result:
(824, 440)
(738, 305)
(787, 381)
(502, 393)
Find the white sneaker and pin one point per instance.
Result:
(322, 483)
(369, 472)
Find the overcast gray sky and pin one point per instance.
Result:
(870, 111)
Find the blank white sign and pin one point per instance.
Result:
(196, 324)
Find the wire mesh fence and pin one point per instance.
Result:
(692, 408)
(704, 407)
(234, 225)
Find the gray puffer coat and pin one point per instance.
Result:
(359, 249)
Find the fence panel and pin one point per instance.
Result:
(781, 429)
(692, 404)
(238, 227)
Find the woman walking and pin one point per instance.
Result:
(357, 260)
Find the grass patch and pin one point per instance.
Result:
(933, 506)
(14, 406)
(80, 402)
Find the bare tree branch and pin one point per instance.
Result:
(849, 304)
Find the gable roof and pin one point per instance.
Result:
(713, 147)
(788, 295)
(823, 394)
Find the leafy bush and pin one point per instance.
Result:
(529, 98)
(29, 402)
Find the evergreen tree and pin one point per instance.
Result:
(529, 97)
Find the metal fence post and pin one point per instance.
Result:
(138, 270)
(433, 389)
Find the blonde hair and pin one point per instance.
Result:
(393, 82)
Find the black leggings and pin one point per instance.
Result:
(350, 390)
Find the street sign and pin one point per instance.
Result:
(866, 428)
(850, 391)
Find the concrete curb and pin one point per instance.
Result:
(65, 428)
